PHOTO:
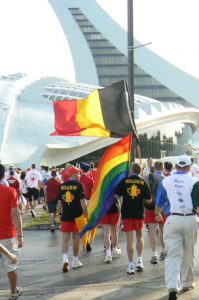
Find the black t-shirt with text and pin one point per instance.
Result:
(71, 192)
(134, 190)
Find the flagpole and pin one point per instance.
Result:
(131, 67)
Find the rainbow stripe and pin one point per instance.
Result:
(113, 167)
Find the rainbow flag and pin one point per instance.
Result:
(113, 167)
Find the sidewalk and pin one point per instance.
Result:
(40, 272)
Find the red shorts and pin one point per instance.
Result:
(68, 226)
(132, 224)
(110, 219)
(149, 217)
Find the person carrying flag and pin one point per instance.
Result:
(71, 205)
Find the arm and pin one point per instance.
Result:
(59, 207)
(161, 198)
(11, 256)
(84, 207)
(16, 218)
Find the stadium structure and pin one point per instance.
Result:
(166, 113)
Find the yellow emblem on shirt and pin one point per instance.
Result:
(68, 197)
(133, 191)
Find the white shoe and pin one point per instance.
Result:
(131, 269)
(76, 264)
(139, 265)
(116, 253)
(108, 258)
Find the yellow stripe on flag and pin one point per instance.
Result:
(89, 116)
(115, 161)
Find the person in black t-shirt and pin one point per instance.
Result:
(134, 191)
(71, 205)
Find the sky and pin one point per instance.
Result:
(35, 45)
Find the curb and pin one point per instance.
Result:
(41, 227)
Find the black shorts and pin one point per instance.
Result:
(41, 193)
(33, 194)
(52, 206)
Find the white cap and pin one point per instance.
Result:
(183, 161)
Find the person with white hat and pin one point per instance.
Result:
(180, 193)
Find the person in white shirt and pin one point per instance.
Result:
(194, 168)
(33, 181)
(180, 193)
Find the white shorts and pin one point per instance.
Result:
(11, 245)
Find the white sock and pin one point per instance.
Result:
(140, 257)
(154, 253)
(108, 251)
(75, 258)
(65, 257)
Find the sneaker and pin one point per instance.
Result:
(173, 295)
(154, 260)
(188, 288)
(52, 229)
(33, 213)
(108, 258)
(162, 255)
(131, 269)
(76, 264)
(65, 268)
(139, 265)
(19, 292)
(116, 253)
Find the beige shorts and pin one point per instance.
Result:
(11, 245)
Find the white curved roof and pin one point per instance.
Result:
(27, 119)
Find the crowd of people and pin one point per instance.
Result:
(161, 197)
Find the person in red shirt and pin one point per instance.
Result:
(86, 180)
(13, 182)
(11, 232)
(51, 188)
(64, 173)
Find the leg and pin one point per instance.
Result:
(12, 277)
(114, 235)
(140, 242)
(152, 237)
(130, 251)
(129, 246)
(65, 242)
(75, 243)
(187, 266)
(107, 241)
(173, 239)
(161, 226)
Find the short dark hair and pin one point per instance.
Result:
(136, 168)
(158, 165)
(2, 171)
(12, 172)
(53, 173)
(33, 166)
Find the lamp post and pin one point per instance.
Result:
(131, 67)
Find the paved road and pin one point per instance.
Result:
(40, 273)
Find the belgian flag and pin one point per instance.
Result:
(104, 113)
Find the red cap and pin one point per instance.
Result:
(72, 170)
